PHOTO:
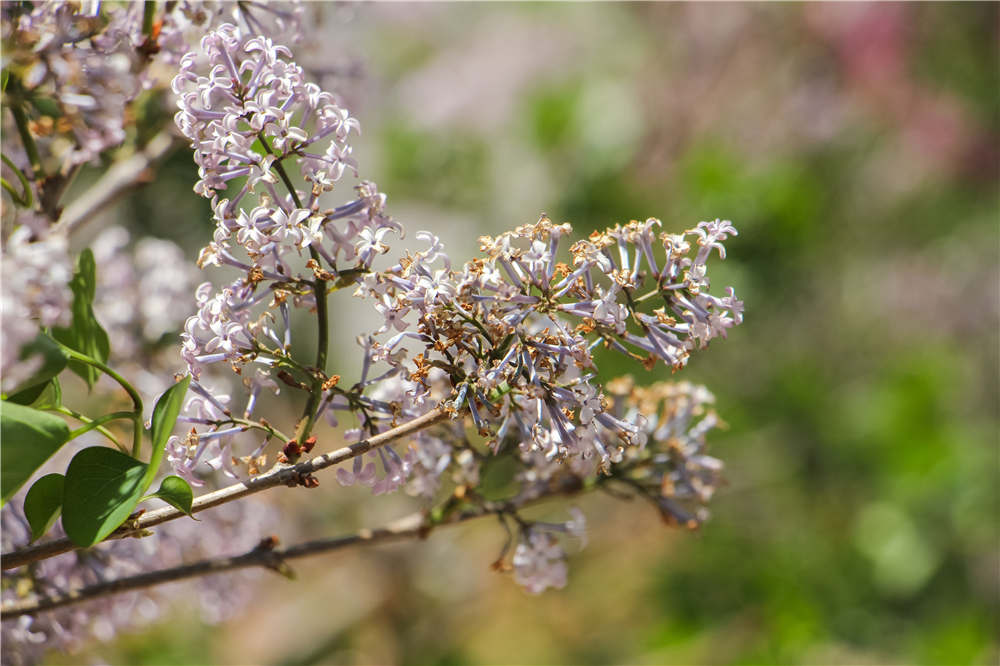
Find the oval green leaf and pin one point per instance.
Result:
(28, 396)
(51, 396)
(29, 437)
(168, 406)
(44, 396)
(43, 503)
(102, 488)
(53, 360)
(176, 492)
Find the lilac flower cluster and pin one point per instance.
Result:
(71, 70)
(671, 469)
(78, 65)
(255, 93)
(514, 331)
(251, 112)
(505, 344)
(35, 273)
(140, 290)
(64, 55)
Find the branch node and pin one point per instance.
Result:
(308, 481)
(268, 558)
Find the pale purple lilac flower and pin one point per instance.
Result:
(35, 275)
(91, 73)
(539, 562)
(518, 328)
(247, 109)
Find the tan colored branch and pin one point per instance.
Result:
(116, 181)
(280, 475)
(261, 556)
(267, 554)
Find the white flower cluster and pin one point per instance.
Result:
(36, 274)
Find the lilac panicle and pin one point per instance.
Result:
(518, 327)
(248, 111)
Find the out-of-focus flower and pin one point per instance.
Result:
(233, 529)
(539, 562)
(36, 274)
(79, 71)
(672, 465)
(141, 291)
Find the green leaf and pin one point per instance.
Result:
(28, 396)
(43, 396)
(47, 106)
(86, 274)
(43, 503)
(85, 335)
(168, 406)
(53, 361)
(29, 437)
(176, 492)
(102, 488)
(51, 396)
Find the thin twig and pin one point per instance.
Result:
(260, 556)
(279, 475)
(116, 181)
(268, 555)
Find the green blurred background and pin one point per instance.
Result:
(856, 149)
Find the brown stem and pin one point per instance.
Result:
(268, 555)
(260, 556)
(279, 475)
(116, 181)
